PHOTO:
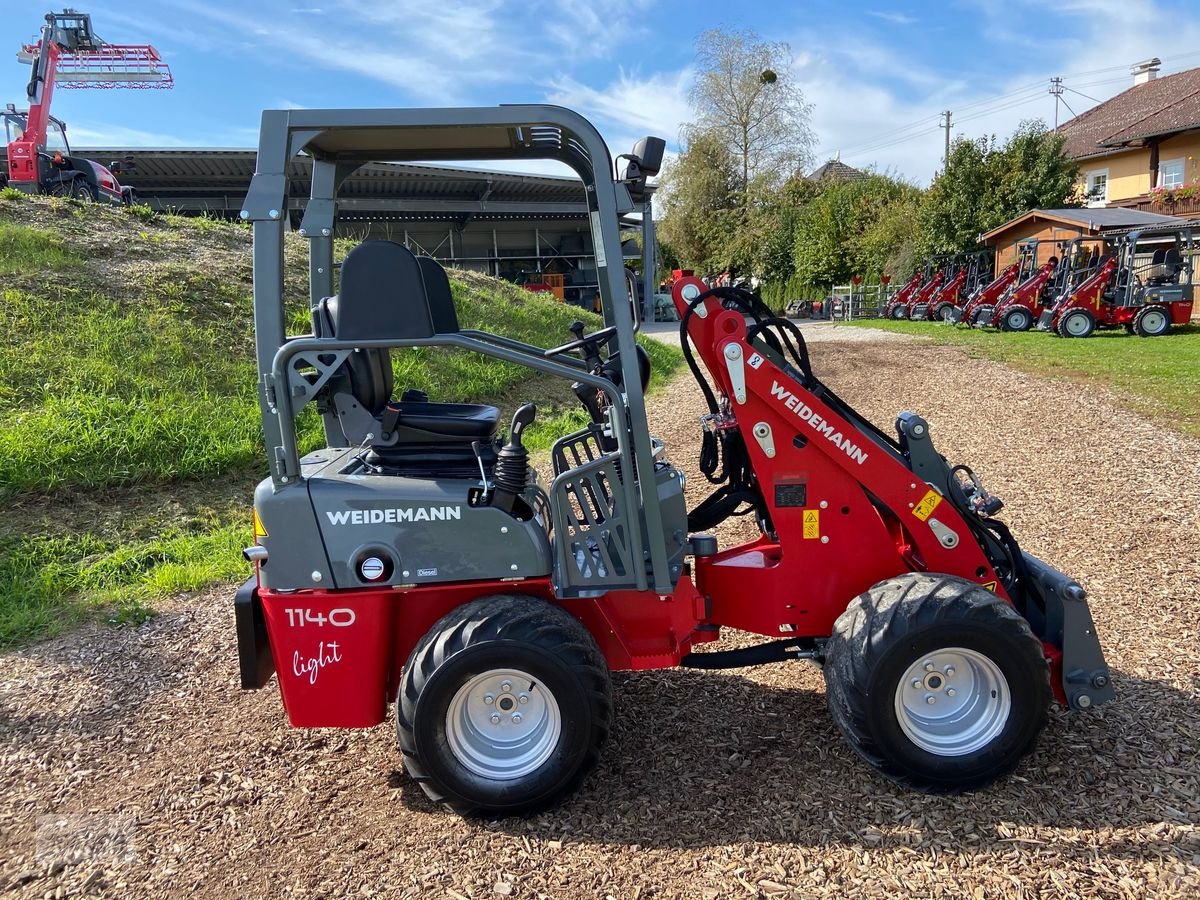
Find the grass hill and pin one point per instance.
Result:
(129, 428)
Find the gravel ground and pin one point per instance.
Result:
(713, 784)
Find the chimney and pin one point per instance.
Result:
(1146, 70)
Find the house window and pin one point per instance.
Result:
(1097, 187)
(1171, 173)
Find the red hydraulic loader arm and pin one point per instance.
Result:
(946, 296)
(71, 56)
(988, 295)
(841, 505)
(1027, 296)
(905, 293)
(926, 291)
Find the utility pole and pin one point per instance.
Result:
(1056, 88)
(946, 124)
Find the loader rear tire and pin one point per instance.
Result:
(503, 707)
(919, 636)
(1152, 321)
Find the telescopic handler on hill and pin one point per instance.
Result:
(70, 55)
(418, 559)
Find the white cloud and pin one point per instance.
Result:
(894, 17)
(857, 100)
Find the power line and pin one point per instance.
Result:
(1082, 94)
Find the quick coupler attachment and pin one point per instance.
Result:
(1068, 625)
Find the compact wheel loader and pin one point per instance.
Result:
(418, 561)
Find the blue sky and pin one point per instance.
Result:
(876, 73)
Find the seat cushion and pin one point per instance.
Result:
(416, 422)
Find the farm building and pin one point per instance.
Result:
(1063, 225)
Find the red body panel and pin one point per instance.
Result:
(991, 293)
(905, 293)
(339, 654)
(926, 291)
(1027, 294)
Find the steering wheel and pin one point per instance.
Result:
(592, 342)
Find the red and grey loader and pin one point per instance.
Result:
(1017, 310)
(418, 561)
(1145, 286)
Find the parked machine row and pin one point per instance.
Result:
(1139, 280)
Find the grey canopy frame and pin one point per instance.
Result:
(342, 140)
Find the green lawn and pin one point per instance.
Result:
(1157, 376)
(129, 428)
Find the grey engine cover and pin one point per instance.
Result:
(423, 528)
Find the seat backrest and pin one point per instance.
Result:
(382, 295)
(439, 296)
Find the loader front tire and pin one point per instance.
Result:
(503, 706)
(920, 636)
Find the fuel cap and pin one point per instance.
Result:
(372, 568)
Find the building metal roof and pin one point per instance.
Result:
(1162, 106)
(1093, 220)
(216, 180)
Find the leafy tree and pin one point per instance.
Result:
(745, 96)
(986, 184)
(855, 228)
(1031, 172)
(697, 197)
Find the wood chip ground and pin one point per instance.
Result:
(713, 784)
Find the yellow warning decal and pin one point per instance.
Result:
(259, 531)
(928, 504)
(990, 585)
(812, 523)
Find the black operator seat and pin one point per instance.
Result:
(383, 296)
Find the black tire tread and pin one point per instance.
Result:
(511, 617)
(887, 613)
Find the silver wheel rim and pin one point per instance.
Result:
(952, 702)
(1076, 325)
(1017, 320)
(503, 724)
(1154, 321)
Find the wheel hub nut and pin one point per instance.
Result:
(950, 692)
(495, 718)
(930, 699)
(524, 698)
(489, 699)
(516, 717)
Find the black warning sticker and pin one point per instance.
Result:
(790, 493)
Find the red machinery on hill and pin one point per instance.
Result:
(70, 55)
